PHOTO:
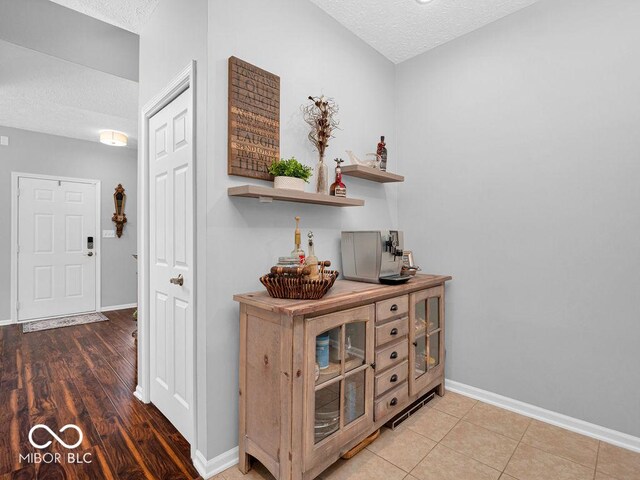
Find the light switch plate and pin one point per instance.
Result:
(108, 234)
(4, 141)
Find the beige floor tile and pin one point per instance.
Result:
(529, 463)
(404, 448)
(257, 472)
(364, 466)
(498, 420)
(618, 462)
(604, 476)
(453, 404)
(431, 423)
(480, 444)
(563, 443)
(443, 463)
(507, 477)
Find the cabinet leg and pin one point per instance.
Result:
(440, 390)
(244, 464)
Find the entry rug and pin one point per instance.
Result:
(39, 325)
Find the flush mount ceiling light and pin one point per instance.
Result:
(113, 138)
(422, 2)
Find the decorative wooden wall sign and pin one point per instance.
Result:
(254, 120)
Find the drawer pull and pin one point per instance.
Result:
(394, 378)
(393, 332)
(394, 355)
(393, 402)
(394, 307)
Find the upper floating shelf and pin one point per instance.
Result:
(373, 174)
(268, 194)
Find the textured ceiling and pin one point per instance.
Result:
(43, 93)
(128, 14)
(401, 29)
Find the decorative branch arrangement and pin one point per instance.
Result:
(320, 114)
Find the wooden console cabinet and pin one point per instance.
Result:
(319, 376)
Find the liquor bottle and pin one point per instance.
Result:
(312, 261)
(338, 189)
(382, 153)
(297, 252)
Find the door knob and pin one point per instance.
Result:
(90, 254)
(179, 280)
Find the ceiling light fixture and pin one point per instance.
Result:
(113, 138)
(422, 2)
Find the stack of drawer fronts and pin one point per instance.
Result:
(392, 356)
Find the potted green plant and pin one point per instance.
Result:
(289, 174)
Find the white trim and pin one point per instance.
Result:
(209, 468)
(6, 322)
(592, 430)
(113, 308)
(185, 80)
(15, 179)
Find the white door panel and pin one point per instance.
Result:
(56, 276)
(171, 255)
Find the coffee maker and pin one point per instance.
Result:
(373, 256)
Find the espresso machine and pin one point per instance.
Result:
(373, 256)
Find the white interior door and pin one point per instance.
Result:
(171, 257)
(56, 269)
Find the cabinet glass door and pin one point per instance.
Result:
(340, 390)
(427, 338)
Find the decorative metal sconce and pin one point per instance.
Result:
(119, 217)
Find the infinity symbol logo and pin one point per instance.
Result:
(45, 427)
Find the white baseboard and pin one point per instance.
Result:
(119, 307)
(573, 424)
(209, 468)
(6, 322)
(139, 393)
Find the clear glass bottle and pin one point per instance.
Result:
(297, 252)
(382, 154)
(322, 177)
(312, 261)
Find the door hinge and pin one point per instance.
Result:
(18, 192)
(18, 251)
(18, 305)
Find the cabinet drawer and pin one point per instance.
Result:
(391, 378)
(392, 308)
(394, 401)
(391, 355)
(391, 331)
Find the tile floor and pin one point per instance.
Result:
(457, 438)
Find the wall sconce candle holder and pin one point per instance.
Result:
(119, 217)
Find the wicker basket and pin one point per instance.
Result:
(296, 286)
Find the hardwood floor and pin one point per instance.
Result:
(83, 375)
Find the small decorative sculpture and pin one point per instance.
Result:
(373, 161)
(119, 217)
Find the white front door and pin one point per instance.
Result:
(56, 269)
(171, 262)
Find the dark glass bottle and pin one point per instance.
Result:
(338, 189)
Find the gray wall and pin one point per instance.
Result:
(522, 148)
(340, 66)
(31, 152)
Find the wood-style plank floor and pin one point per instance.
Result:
(84, 375)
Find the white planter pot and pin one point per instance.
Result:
(289, 183)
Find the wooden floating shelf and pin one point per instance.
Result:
(373, 174)
(269, 193)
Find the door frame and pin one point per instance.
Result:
(15, 179)
(185, 80)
